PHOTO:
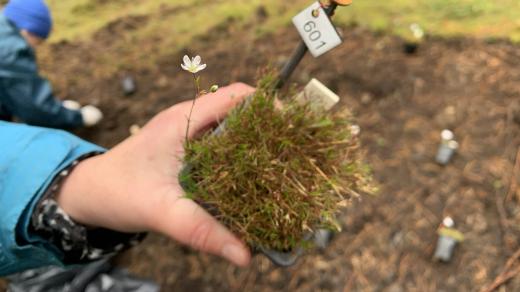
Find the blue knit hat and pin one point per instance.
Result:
(31, 15)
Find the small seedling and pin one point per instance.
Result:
(194, 66)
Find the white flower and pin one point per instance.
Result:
(417, 31)
(194, 65)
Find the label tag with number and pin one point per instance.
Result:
(316, 29)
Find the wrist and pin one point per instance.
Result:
(67, 226)
(96, 194)
(78, 190)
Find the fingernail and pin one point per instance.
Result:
(236, 254)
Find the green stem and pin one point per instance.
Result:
(197, 88)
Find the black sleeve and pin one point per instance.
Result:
(78, 243)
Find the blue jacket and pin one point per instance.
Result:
(23, 93)
(29, 159)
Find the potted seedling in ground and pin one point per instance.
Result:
(414, 37)
(276, 175)
(448, 239)
(447, 148)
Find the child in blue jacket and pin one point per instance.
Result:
(66, 201)
(24, 94)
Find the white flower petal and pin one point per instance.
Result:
(186, 60)
(185, 67)
(197, 60)
(202, 67)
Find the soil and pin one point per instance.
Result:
(402, 103)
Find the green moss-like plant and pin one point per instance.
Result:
(275, 175)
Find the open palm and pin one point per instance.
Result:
(134, 187)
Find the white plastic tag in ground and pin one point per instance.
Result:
(316, 30)
(319, 96)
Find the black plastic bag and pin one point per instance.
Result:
(98, 276)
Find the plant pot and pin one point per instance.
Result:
(128, 85)
(444, 249)
(321, 239)
(410, 48)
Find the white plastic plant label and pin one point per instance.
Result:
(320, 97)
(316, 30)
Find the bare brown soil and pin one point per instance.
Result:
(402, 103)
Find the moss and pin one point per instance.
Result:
(275, 175)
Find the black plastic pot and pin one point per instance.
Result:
(321, 239)
(410, 48)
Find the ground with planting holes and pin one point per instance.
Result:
(402, 103)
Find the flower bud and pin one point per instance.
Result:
(213, 88)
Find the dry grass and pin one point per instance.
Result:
(273, 176)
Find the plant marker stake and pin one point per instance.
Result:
(448, 239)
(447, 148)
(302, 49)
(128, 85)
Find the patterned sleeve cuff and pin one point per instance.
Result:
(78, 243)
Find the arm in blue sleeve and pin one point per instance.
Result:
(30, 158)
(30, 98)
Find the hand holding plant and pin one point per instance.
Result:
(276, 175)
(134, 187)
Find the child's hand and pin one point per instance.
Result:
(134, 187)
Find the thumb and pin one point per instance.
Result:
(214, 107)
(188, 223)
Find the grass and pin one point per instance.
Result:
(171, 25)
(80, 19)
(479, 18)
(273, 176)
(476, 18)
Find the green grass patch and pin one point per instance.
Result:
(476, 18)
(479, 18)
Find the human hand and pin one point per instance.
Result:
(134, 187)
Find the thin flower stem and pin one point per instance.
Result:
(197, 89)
